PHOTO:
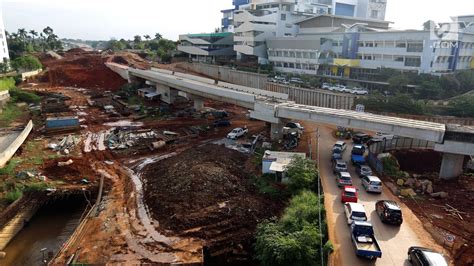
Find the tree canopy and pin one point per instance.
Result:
(26, 63)
(296, 238)
(24, 41)
(301, 174)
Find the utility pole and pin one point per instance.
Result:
(319, 197)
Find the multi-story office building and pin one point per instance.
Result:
(342, 46)
(260, 20)
(3, 41)
(227, 24)
(208, 47)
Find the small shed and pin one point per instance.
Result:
(275, 162)
(144, 91)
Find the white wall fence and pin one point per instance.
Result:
(226, 74)
(299, 95)
(314, 97)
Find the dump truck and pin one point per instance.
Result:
(365, 243)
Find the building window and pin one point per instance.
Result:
(285, 54)
(298, 54)
(401, 45)
(313, 55)
(283, 17)
(374, 14)
(415, 47)
(291, 65)
(413, 62)
(298, 66)
(398, 59)
(292, 54)
(285, 65)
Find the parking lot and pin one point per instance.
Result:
(394, 241)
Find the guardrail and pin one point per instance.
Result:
(8, 153)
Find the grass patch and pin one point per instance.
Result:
(35, 187)
(13, 195)
(7, 84)
(9, 169)
(10, 113)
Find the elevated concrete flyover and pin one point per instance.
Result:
(398, 126)
(275, 108)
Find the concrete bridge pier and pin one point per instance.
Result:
(198, 103)
(168, 94)
(451, 166)
(276, 130)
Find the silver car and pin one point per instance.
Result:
(372, 184)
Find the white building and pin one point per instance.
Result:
(3, 41)
(350, 47)
(259, 20)
(274, 162)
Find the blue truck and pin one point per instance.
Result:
(365, 243)
(358, 155)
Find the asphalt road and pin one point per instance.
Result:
(394, 241)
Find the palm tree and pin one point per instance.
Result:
(22, 34)
(33, 34)
(158, 36)
(147, 37)
(48, 30)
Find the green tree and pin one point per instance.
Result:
(397, 83)
(463, 107)
(158, 36)
(147, 37)
(26, 63)
(301, 174)
(293, 240)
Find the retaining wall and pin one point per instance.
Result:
(314, 97)
(4, 97)
(468, 121)
(29, 74)
(8, 153)
(227, 74)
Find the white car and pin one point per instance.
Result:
(237, 133)
(326, 86)
(346, 89)
(340, 88)
(384, 136)
(340, 145)
(355, 212)
(372, 184)
(359, 91)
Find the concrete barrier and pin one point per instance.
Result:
(4, 97)
(314, 97)
(8, 153)
(465, 121)
(30, 74)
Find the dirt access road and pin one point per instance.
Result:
(394, 241)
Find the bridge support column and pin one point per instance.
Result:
(198, 103)
(451, 166)
(168, 94)
(276, 131)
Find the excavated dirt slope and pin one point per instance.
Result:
(206, 193)
(87, 69)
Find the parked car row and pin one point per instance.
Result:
(344, 89)
(286, 81)
(388, 211)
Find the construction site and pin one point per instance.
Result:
(154, 186)
(134, 180)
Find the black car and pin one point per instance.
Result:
(389, 212)
(425, 257)
(361, 138)
(221, 123)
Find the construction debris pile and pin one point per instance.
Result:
(123, 139)
(206, 193)
(66, 145)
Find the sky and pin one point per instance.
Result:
(106, 19)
